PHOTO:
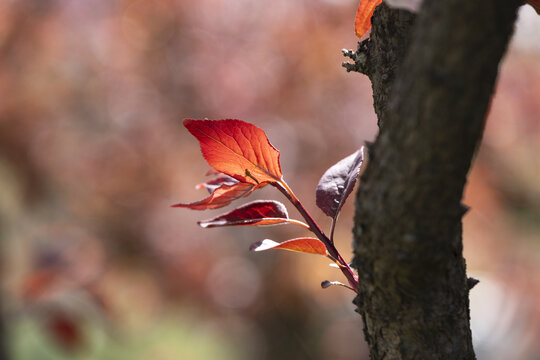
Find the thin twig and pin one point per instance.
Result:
(345, 268)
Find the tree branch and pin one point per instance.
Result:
(382, 53)
(413, 291)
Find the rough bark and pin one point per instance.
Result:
(382, 53)
(432, 87)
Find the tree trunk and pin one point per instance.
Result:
(432, 79)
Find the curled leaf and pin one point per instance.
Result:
(364, 13)
(238, 149)
(260, 212)
(338, 182)
(220, 196)
(305, 245)
(212, 185)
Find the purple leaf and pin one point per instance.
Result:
(338, 182)
(260, 212)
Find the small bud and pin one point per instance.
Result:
(325, 284)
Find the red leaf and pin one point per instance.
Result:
(364, 13)
(212, 185)
(535, 4)
(260, 212)
(305, 245)
(338, 182)
(221, 196)
(238, 149)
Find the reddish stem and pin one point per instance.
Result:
(314, 227)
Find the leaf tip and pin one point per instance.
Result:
(262, 245)
(364, 13)
(255, 246)
(203, 224)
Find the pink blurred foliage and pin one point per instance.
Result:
(91, 97)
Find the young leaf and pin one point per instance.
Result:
(259, 212)
(364, 13)
(338, 182)
(212, 185)
(221, 196)
(304, 245)
(238, 149)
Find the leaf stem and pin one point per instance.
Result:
(282, 186)
(300, 223)
(332, 228)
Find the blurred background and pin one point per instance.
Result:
(95, 264)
